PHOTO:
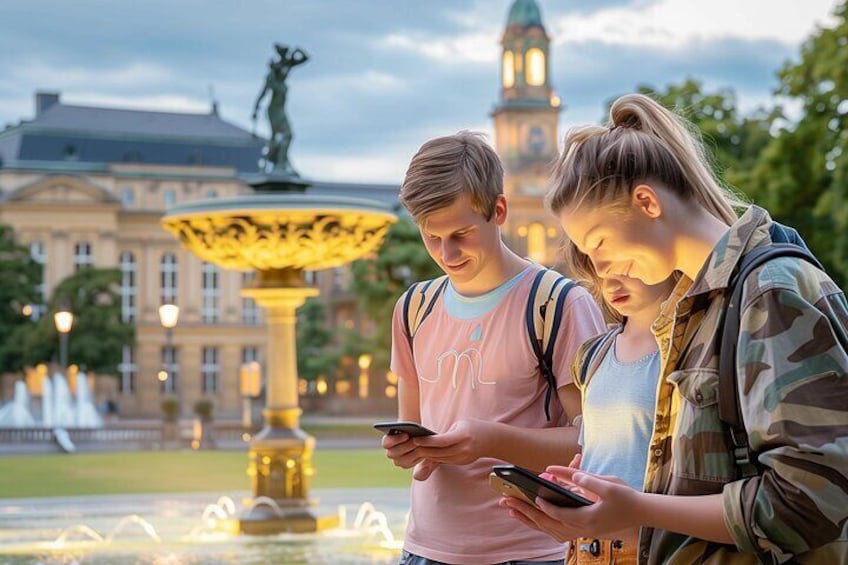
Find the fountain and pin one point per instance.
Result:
(16, 413)
(280, 232)
(59, 408)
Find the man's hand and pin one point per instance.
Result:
(463, 443)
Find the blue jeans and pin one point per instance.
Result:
(407, 558)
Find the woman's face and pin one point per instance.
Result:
(623, 241)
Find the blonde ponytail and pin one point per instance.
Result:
(643, 142)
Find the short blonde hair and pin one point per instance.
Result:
(448, 167)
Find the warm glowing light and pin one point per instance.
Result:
(364, 361)
(391, 391)
(321, 386)
(391, 378)
(168, 315)
(27, 310)
(508, 69)
(535, 66)
(195, 444)
(63, 320)
(266, 460)
(250, 379)
(162, 375)
(555, 101)
(290, 463)
(536, 244)
(302, 387)
(552, 232)
(522, 231)
(342, 387)
(245, 436)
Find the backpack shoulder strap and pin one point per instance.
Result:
(418, 302)
(590, 357)
(543, 317)
(729, 409)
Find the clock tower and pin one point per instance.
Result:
(526, 131)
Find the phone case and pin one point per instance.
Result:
(411, 428)
(533, 486)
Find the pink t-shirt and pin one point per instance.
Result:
(482, 368)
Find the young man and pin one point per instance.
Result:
(470, 373)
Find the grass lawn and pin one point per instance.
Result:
(178, 471)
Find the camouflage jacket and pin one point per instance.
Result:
(793, 391)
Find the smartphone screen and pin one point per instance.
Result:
(533, 486)
(413, 429)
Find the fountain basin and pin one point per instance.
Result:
(280, 231)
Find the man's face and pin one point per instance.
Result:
(460, 240)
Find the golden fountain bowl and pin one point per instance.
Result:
(280, 231)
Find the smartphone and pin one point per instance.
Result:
(412, 429)
(511, 480)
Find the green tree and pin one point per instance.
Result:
(379, 281)
(735, 142)
(98, 334)
(314, 356)
(803, 173)
(20, 276)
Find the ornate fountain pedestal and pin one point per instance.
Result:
(280, 235)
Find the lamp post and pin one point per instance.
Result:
(63, 320)
(364, 364)
(168, 316)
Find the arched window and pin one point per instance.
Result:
(168, 277)
(535, 66)
(536, 244)
(211, 293)
(82, 255)
(508, 69)
(128, 287)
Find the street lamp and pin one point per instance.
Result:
(63, 320)
(168, 316)
(364, 364)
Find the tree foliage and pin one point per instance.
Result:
(802, 175)
(20, 276)
(98, 334)
(380, 281)
(314, 357)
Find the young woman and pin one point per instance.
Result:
(639, 199)
(617, 374)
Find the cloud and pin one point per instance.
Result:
(673, 24)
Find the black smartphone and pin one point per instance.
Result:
(511, 480)
(412, 429)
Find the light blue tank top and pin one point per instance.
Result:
(618, 417)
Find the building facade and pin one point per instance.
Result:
(87, 186)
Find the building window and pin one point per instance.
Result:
(536, 244)
(210, 370)
(535, 66)
(128, 287)
(128, 197)
(170, 356)
(508, 69)
(341, 279)
(211, 194)
(249, 355)
(39, 254)
(82, 255)
(170, 197)
(168, 273)
(128, 369)
(211, 293)
(251, 315)
(310, 277)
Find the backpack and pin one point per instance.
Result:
(729, 410)
(547, 296)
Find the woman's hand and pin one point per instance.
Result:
(615, 513)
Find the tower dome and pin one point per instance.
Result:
(524, 13)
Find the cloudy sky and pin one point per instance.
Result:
(384, 75)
